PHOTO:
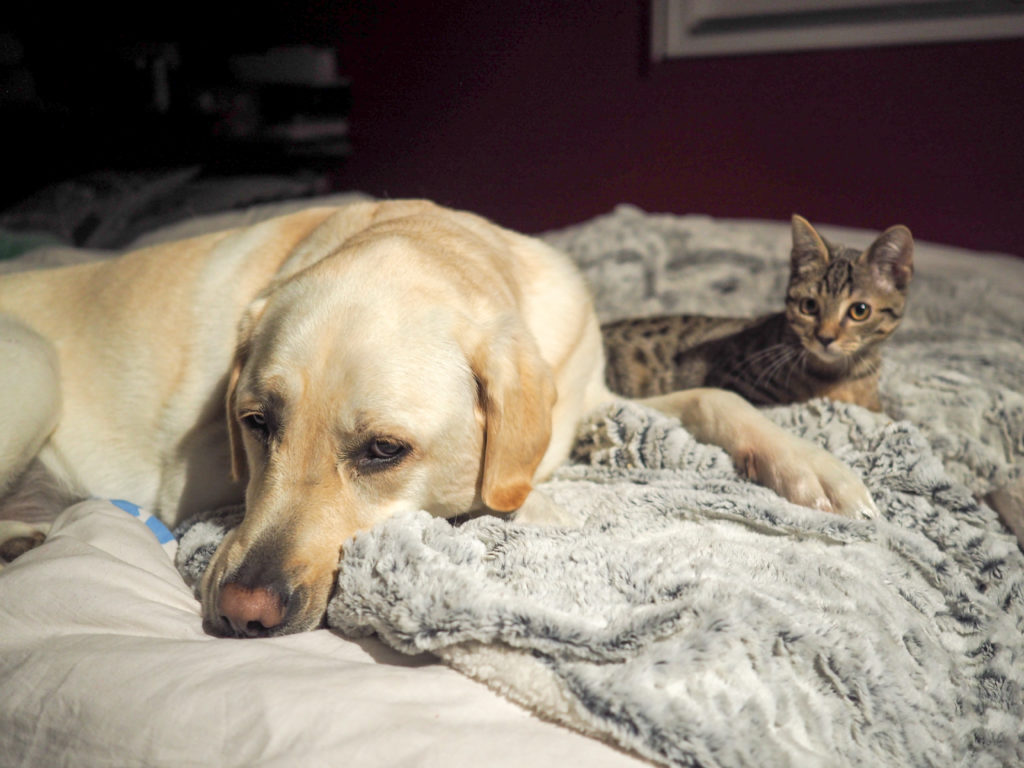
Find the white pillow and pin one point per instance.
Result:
(103, 661)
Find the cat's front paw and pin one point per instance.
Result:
(805, 474)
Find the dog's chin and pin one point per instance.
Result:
(218, 627)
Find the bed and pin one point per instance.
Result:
(691, 619)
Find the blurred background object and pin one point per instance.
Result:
(544, 113)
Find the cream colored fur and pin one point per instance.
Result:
(299, 351)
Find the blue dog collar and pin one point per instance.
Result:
(157, 528)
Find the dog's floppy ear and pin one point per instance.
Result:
(517, 393)
(239, 466)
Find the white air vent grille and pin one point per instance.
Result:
(721, 27)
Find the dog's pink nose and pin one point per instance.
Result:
(250, 612)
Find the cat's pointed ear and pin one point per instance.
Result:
(891, 257)
(808, 245)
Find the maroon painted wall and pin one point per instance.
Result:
(542, 114)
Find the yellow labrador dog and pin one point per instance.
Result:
(329, 367)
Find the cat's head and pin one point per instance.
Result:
(841, 302)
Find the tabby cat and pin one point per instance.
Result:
(841, 304)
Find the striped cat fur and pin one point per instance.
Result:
(841, 304)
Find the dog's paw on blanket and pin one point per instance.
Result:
(689, 600)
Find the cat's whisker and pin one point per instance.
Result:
(783, 360)
(855, 297)
(783, 355)
(769, 362)
(759, 356)
(802, 356)
(740, 367)
(754, 361)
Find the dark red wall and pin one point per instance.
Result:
(542, 114)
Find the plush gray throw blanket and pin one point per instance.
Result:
(696, 619)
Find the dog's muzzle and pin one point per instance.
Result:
(250, 611)
(259, 599)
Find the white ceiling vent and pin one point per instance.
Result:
(721, 27)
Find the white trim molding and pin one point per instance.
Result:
(685, 28)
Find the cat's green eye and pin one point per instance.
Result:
(809, 306)
(859, 311)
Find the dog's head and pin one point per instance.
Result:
(393, 374)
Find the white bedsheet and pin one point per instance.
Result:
(103, 661)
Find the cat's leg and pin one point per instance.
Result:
(863, 392)
(793, 467)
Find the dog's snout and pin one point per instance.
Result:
(251, 612)
(270, 592)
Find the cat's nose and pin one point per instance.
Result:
(825, 340)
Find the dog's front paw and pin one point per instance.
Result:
(805, 474)
(538, 509)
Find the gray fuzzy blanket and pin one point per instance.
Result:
(696, 619)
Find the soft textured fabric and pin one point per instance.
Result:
(689, 603)
(109, 209)
(103, 662)
(954, 368)
(698, 619)
(692, 618)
